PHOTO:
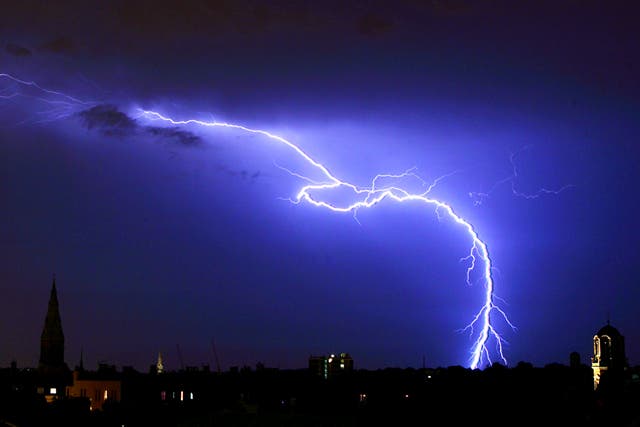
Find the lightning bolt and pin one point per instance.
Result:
(365, 197)
(371, 195)
(60, 105)
(479, 197)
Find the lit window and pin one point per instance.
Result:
(191, 396)
(53, 390)
(106, 395)
(181, 395)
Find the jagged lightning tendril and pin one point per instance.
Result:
(60, 105)
(512, 178)
(371, 196)
(64, 105)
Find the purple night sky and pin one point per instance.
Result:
(176, 236)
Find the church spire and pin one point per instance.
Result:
(159, 365)
(52, 338)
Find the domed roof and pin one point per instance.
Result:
(609, 331)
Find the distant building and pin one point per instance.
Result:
(574, 359)
(329, 366)
(98, 387)
(609, 360)
(53, 373)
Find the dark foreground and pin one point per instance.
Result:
(523, 395)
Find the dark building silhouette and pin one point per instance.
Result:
(574, 359)
(52, 337)
(609, 360)
(97, 387)
(53, 372)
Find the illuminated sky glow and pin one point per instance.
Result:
(480, 327)
(496, 141)
(367, 197)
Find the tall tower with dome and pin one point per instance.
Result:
(609, 360)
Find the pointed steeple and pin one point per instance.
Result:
(52, 338)
(81, 365)
(159, 365)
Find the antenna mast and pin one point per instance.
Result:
(215, 354)
(180, 357)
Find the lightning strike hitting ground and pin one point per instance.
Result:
(366, 197)
(371, 196)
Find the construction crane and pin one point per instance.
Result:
(215, 355)
(180, 357)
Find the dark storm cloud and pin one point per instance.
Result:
(451, 7)
(109, 120)
(17, 50)
(112, 122)
(59, 45)
(163, 22)
(178, 135)
(136, 26)
(373, 24)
